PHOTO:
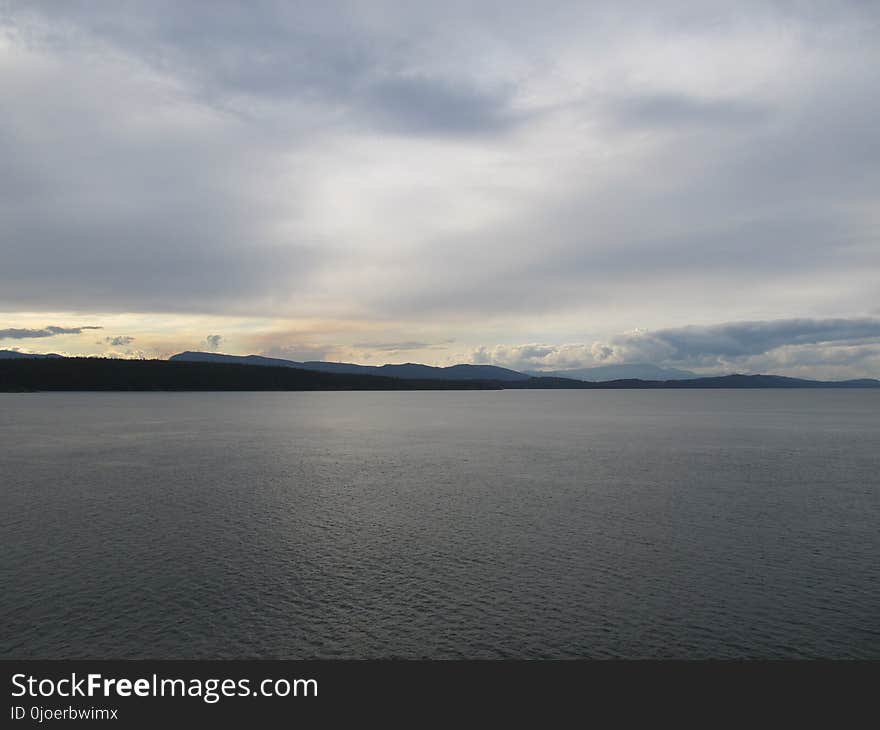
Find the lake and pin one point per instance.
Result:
(486, 524)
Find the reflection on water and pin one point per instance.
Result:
(454, 524)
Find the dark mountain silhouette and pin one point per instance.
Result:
(94, 373)
(722, 381)
(601, 373)
(406, 370)
(759, 381)
(87, 373)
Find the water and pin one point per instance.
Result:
(450, 524)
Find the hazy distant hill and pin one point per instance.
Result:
(601, 373)
(15, 355)
(407, 371)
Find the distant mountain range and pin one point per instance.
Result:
(599, 374)
(602, 373)
(407, 371)
(214, 371)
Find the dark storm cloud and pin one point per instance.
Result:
(120, 341)
(734, 340)
(51, 331)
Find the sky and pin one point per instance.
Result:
(541, 185)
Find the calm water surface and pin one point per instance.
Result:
(448, 524)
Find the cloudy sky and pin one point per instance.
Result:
(532, 184)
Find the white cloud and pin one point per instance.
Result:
(814, 348)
